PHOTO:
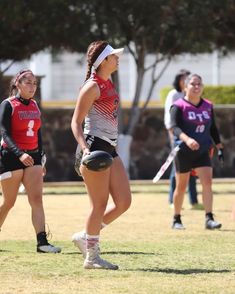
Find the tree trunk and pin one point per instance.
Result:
(124, 144)
(125, 140)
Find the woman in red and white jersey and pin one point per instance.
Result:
(97, 105)
(22, 154)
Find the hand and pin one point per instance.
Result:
(43, 160)
(44, 171)
(192, 144)
(211, 151)
(26, 159)
(221, 156)
(86, 151)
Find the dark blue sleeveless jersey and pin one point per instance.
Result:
(195, 121)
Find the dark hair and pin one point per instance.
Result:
(189, 77)
(17, 78)
(178, 77)
(93, 51)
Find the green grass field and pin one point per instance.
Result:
(152, 257)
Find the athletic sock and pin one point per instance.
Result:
(91, 240)
(209, 215)
(177, 218)
(42, 239)
(103, 225)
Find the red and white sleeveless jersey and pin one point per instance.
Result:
(25, 123)
(102, 119)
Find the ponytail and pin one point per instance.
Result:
(13, 89)
(89, 69)
(93, 51)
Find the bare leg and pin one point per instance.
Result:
(118, 185)
(205, 176)
(10, 188)
(33, 182)
(120, 192)
(97, 184)
(181, 184)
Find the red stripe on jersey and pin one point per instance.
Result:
(108, 102)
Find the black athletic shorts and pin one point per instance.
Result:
(10, 162)
(187, 159)
(94, 143)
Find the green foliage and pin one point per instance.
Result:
(216, 94)
(224, 25)
(163, 94)
(30, 26)
(220, 94)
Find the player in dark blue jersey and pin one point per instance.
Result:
(173, 95)
(195, 131)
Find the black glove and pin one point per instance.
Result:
(221, 156)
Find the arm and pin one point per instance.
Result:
(216, 138)
(215, 133)
(87, 96)
(5, 123)
(167, 116)
(175, 119)
(42, 153)
(40, 141)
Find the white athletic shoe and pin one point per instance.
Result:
(93, 260)
(48, 249)
(211, 224)
(79, 240)
(177, 223)
(178, 226)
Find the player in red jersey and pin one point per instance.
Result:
(98, 104)
(22, 153)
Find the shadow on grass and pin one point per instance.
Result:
(229, 192)
(191, 271)
(128, 253)
(119, 253)
(4, 250)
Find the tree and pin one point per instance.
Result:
(224, 26)
(27, 27)
(162, 28)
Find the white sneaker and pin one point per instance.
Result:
(48, 249)
(79, 240)
(93, 260)
(211, 224)
(178, 226)
(177, 223)
(99, 263)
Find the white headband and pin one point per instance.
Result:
(108, 50)
(23, 73)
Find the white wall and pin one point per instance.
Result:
(65, 74)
